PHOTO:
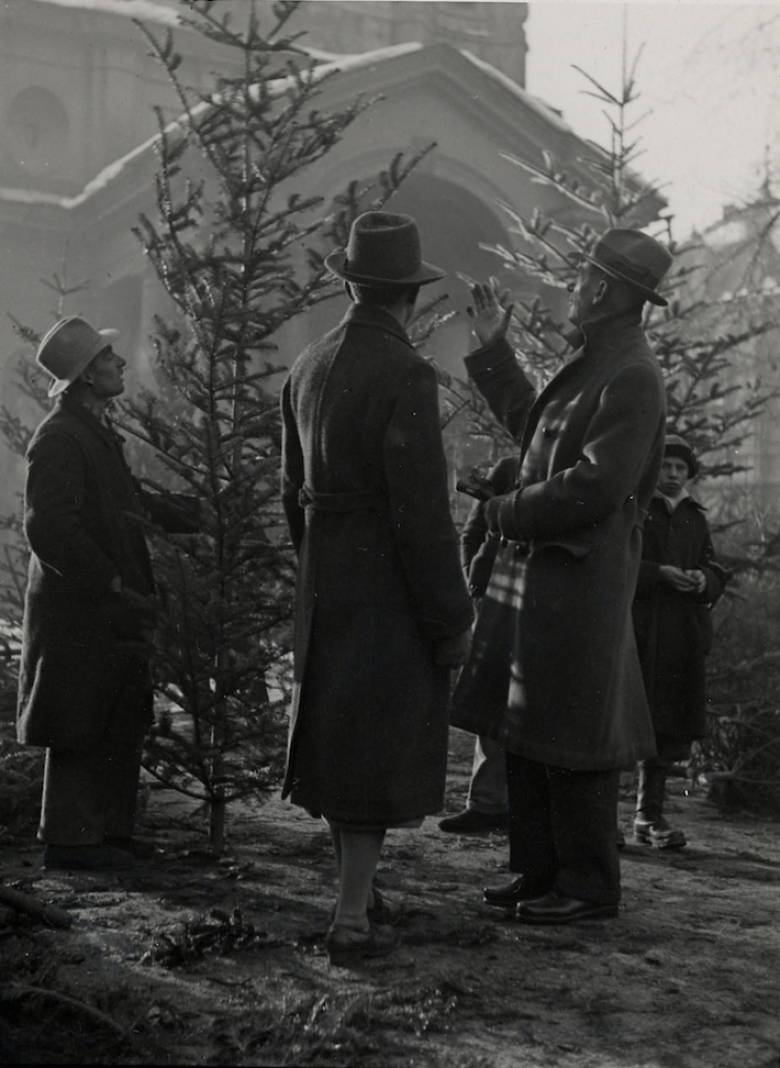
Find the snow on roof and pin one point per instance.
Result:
(149, 10)
(533, 102)
(329, 63)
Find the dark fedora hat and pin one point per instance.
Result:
(383, 250)
(631, 256)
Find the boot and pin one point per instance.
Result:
(650, 826)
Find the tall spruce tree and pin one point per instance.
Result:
(236, 250)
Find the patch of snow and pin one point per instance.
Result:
(147, 10)
(533, 102)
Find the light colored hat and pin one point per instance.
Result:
(68, 348)
(383, 250)
(631, 256)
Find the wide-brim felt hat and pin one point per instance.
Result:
(634, 257)
(68, 348)
(383, 250)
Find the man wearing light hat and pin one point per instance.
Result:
(84, 686)
(383, 612)
(568, 702)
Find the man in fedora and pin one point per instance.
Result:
(569, 706)
(84, 687)
(383, 613)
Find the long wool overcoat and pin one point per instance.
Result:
(674, 629)
(379, 580)
(80, 674)
(570, 688)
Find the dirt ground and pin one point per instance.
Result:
(688, 976)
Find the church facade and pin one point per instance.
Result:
(77, 160)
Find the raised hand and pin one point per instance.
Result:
(490, 311)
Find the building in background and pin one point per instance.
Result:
(739, 285)
(77, 162)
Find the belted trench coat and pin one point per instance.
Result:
(379, 580)
(569, 682)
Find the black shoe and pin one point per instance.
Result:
(472, 822)
(553, 908)
(511, 894)
(134, 846)
(85, 857)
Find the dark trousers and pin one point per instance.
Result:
(563, 829)
(89, 794)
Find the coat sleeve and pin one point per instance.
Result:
(473, 534)
(415, 470)
(53, 515)
(715, 574)
(292, 469)
(614, 454)
(176, 513)
(648, 579)
(500, 379)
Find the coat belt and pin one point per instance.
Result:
(338, 502)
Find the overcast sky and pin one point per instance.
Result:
(709, 78)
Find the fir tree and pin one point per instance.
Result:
(227, 250)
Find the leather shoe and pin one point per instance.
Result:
(511, 894)
(554, 908)
(470, 821)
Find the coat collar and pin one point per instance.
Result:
(602, 338)
(604, 333)
(103, 430)
(686, 500)
(368, 315)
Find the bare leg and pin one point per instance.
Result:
(359, 852)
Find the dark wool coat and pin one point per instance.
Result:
(592, 445)
(81, 673)
(674, 629)
(379, 581)
(78, 679)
